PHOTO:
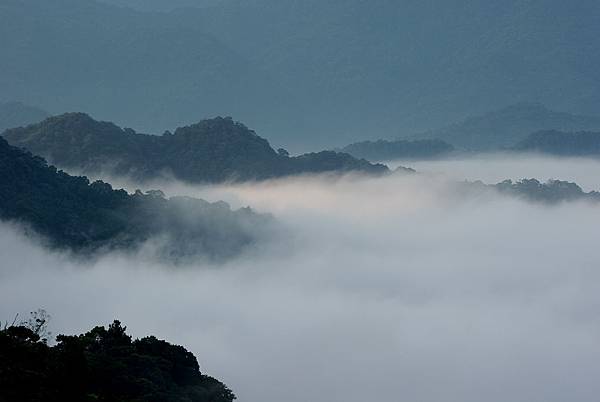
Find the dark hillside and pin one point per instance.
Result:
(211, 151)
(103, 364)
(70, 213)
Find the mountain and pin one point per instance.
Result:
(211, 151)
(72, 214)
(16, 114)
(103, 364)
(505, 127)
(310, 74)
(583, 143)
(400, 66)
(382, 150)
(144, 69)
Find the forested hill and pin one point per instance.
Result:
(583, 143)
(70, 213)
(210, 151)
(103, 364)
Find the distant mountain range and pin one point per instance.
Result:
(16, 114)
(70, 213)
(583, 143)
(383, 150)
(503, 128)
(509, 128)
(144, 70)
(211, 151)
(309, 74)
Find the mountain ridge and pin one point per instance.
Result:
(303, 73)
(503, 128)
(211, 151)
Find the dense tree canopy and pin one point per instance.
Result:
(104, 364)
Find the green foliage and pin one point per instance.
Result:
(583, 143)
(211, 151)
(72, 213)
(104, 364)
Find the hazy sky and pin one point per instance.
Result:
(400, 288)
(161, 5)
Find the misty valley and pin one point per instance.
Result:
(259, 255)
(265, 201)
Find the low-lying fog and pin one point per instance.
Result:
(492, 168)
(391, 289)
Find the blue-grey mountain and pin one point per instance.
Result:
(582, 143)
(305, 73)
(503, 128)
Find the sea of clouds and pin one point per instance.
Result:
(400, 288)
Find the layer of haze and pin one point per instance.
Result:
(398, 288)
(493, 168)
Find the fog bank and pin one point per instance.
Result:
(397, 288)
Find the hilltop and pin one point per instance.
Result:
(211, 151)
(103, 364)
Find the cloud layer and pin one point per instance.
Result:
(397, 288)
